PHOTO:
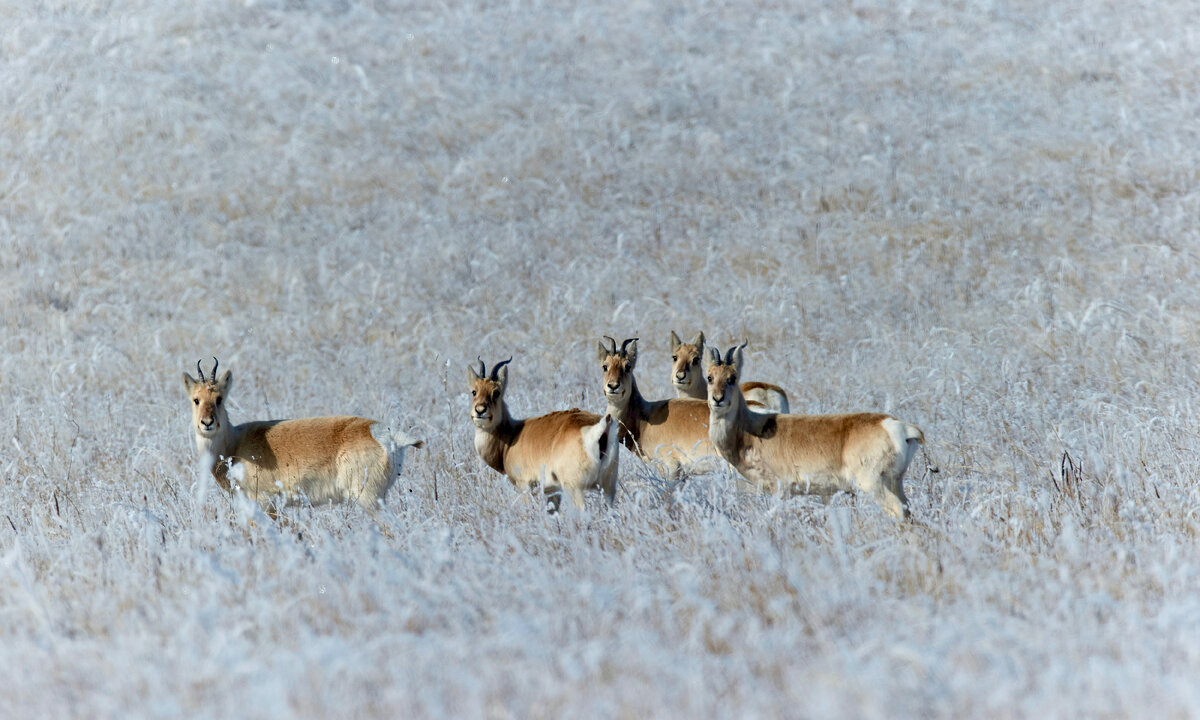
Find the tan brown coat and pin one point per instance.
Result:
(819, 454)
(674, 432)
(565, 451)
(323, 459)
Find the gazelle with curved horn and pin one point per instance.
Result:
(687, 377)
(674, 432)
(325, 459)
(565, 451)
(818, 454)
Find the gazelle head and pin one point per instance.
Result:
(208, 400)
(487, 393)
(617, 366)
(686, 358)
(723, 373)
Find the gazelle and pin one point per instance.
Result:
(687, 377)
(325, 459)
(565, 451)
(819, 454)
(673, 431)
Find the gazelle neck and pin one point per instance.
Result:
(726, 429)
(217, 445)
(494, 443)
(694, 388)
(215, 451)
(632, 406)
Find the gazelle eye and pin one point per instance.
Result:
(696, 360)
(472, 393)
(196, 401)
(710, 378)
(218, 401)
(730, 380)
(674, 358)
(605, 367)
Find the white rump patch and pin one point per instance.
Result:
(395, 443)
(903, 440)
(766, 401)
(592, 435)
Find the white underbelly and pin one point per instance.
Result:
(791, 480)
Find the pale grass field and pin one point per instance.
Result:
(980, 217)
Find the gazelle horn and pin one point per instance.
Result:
(499, 365)
(732, 350)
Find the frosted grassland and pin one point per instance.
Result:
(980, 217)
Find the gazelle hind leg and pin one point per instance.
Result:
(887, 492)
(576, 494)
(374, 511)
(895, 503)
(898, 503)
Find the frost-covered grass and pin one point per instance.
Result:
(980, 217)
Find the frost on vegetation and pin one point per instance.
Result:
(895, 209)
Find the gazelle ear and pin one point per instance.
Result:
(714, 356)
(601, 351)
(189, 383)
(500, 373)
(698, 341)
(479, 374)
(675, 341)
(225, 382)
(737, 357)
(629, 348)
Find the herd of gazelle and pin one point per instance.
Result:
(353, 459)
